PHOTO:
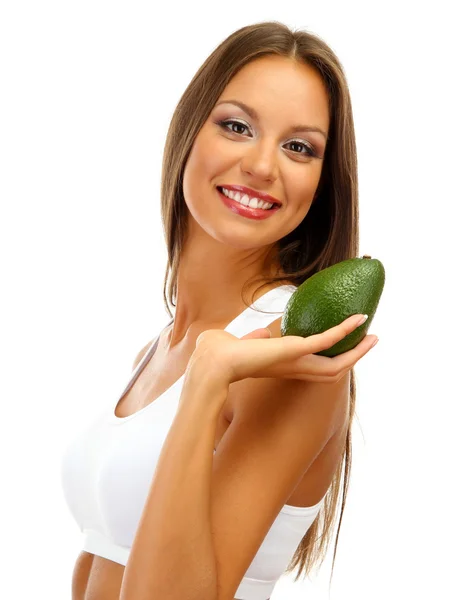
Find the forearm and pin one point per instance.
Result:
(172, 556)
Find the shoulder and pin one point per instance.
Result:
(255, 401)
(145, 349)
(142, 353)
(280, 429)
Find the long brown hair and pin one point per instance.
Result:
(329, 232)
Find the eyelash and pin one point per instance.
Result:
(309, 148)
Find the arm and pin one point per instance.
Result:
(172, 556)
(82, 569)
(206, 516)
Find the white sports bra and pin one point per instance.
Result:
(107, 469)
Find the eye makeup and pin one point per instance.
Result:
(310, 150)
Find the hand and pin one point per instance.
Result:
(287, 357)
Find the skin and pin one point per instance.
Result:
(222, 249)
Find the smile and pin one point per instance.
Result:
(250, 212)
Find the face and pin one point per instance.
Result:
(259, 148)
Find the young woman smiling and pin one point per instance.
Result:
(219, 467)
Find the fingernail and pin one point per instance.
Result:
(375, 342)
(362, 320)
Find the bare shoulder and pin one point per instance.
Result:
(142, 353)
(326, 402)
(283, 445)
(332, 397)
(145, 349)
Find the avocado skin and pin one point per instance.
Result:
(327, 298)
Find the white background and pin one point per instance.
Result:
(87, 92)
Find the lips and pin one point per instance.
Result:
(222, 190)
(242, 189)
(246, 211)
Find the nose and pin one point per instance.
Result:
(260, 162)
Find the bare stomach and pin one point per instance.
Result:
(96, 578)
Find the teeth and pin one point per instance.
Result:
(244, 199)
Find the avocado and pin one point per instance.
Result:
(327, 298)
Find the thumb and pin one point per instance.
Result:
(262, 332)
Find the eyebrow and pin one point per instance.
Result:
(250, 111)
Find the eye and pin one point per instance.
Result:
(306, 146)
(224, 125)
(309, 150)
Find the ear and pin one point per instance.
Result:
(262, 332)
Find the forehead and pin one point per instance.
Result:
(275, 85)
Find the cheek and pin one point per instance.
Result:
(193, 174)
(300, 201)
(208, 165)
(216, 158)
(304, 193)
(300, 197)
(204, 164)
(198, 180)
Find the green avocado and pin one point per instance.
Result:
(331, 296)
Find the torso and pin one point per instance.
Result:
(97, 578)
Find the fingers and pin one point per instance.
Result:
(350, 324)
(331, 336)
(336, 366)
(293, 346)
(343, 362)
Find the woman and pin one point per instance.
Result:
(214, 498)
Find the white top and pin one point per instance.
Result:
(106, 471)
